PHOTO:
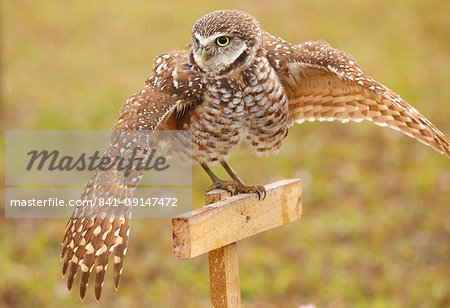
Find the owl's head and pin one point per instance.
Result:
(224, 42)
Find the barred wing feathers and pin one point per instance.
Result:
(325, 84)
(92, 236)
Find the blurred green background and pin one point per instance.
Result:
(376, 225)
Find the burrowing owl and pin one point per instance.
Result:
(235, 86)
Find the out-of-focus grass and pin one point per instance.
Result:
(375, 231)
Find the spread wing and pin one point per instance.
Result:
(94, 233)
(325, 84)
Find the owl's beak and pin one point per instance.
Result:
(205, 56)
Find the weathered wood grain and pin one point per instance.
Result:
(235, 218)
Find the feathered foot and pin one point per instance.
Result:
(230, 186)
(242, 187)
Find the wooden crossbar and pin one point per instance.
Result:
(216, 227)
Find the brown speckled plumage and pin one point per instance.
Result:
(244, 95)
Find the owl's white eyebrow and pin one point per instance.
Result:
(205, 40)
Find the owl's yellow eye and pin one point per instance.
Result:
(222, 41)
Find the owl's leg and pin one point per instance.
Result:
(242, 187)
(230, 186)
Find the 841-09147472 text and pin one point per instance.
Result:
(106, 202)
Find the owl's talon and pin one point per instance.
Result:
(259, 190)
(237, 190)
(229, 186)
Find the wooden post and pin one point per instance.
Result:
(223, 267)
(216, 227)
(224, 277)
